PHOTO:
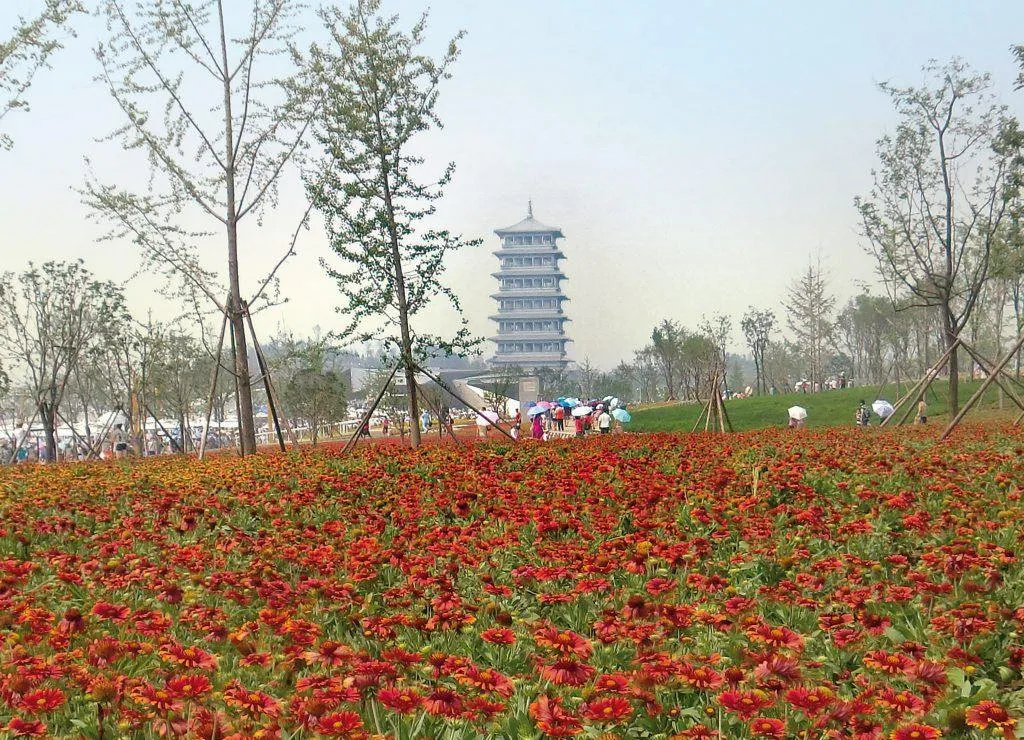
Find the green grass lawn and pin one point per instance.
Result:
(830, 408)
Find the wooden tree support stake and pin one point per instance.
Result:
(984, 386)
(365, 420)
(213, 388)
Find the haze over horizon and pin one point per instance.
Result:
(694, 155)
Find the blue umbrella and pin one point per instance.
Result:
(622, 416)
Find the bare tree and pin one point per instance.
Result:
(718, 329)
(381, 91)
(219, 119)
(939, 195)
(49, 315)
(27, 51)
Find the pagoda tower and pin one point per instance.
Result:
(531, 320)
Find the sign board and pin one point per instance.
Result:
(529, 391)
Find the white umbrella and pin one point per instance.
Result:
(615, 403)
(582, 411)
(883, 408)
(485, 418)
(797, 412)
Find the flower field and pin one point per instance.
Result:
(838, 584)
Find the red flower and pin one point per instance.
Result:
(443, 703)
(612, 683)
(188, 657)
(161, 700)
(552, 719)
(114, 612)
(776, 637)
(607, 709)
(189, 687)
(701, 677)
(901, 702)
(340, 724)
(744, 703)
(987, 714)
(565, 642)
(26, 727)
(498, 636)
(566, 673)
(892, 663)
(810, 701)
(41, 701)
(401, 700)
(486, 680)
(767, 727)
(915, 732)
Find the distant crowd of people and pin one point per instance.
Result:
(29, 446)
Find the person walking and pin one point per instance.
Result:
(538, 427)
(384, 424)
(119, 440)
(604, 421)
(559, 414)
(578, 424)
(922, 412)
(862, 416)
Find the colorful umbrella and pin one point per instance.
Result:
(622, 416)
(536, 411)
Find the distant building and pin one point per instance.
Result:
(531, 319)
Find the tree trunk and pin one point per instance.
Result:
(246, 425)
(954, 365)
(48, 413)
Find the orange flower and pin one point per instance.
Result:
(767, 727)
(987, 714)
(340, 724)
(189, 687)
(915, 732)
(254, 703)
(498, 636)
(552, 719)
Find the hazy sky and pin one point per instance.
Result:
(694, 153)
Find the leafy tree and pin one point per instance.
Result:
(667, 347)
(939, 195)
(28, 50)
(809, 307)
(219, 122)
(555, 382)
(646, 370)
(758, 326)
(380, 92)
(49, 316)
(317, 397)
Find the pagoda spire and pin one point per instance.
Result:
(529, 208)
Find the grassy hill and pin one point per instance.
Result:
(830, 408)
